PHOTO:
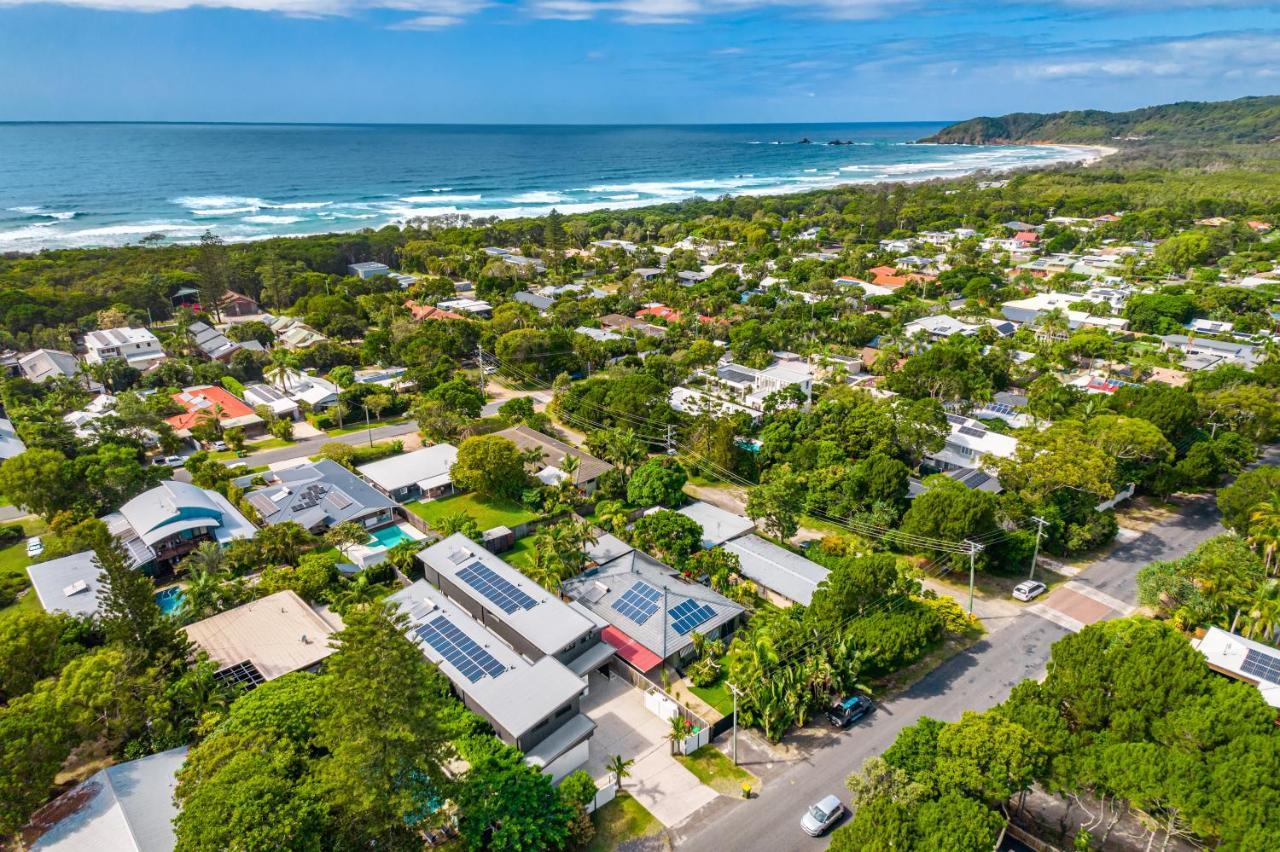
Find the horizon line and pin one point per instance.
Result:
(194, 123)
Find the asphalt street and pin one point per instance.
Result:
(975, 679)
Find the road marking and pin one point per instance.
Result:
(1101, 597)
(1059, 618)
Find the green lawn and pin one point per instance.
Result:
(717, 771)
(717, 695)
(361, 427)
(14, 562)
(521, 554)
(251, 448)
(621, 820)
(487, 513)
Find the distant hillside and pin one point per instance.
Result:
(1244, 121)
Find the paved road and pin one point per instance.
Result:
(1014, 649)
(310, 446)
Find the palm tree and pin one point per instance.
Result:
(208, 557)
(624, 449)
(620, 767)
(1264, 530)
(680, 730)
(569, 464)
(1262, 621)
(281, 368)
(533, 457)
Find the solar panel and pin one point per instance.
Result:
(502, 592)
(999, 408)
(688, 614)
(971, 432)
(955, 418)
(459, 649)
(639, 602)
(1262, 666)
(244, 675)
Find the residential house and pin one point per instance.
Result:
(161, 526)
(618, 322)
(387, 377)
(280, 405)
(968, 442)
(292, 333)
(368, 269)
(42, 365)
(316, 392)
(1243, 659)
(475, 307)
(599, 335)
(10, 444)
(537, 301)
(939, 326)
(137, 347)
(423, 474)
(235, 305)
(1029, 310)
(205, 402)
(1204, 353)
(695, 402)
(532, 703)
(265, 639)
(782, 576)
(972, 478)
(647, 273)
(554, 452)
(320, 495)
(69, 584)
(429, 312)
(215, 345)
(126, 807)
(651, 610)
(750, 387)
(718, 526)
(1201, 325)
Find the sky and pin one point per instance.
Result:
(622, 61)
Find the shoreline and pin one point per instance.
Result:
(184, 233)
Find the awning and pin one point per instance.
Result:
(592, 658)
(640, 657)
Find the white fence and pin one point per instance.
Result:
(604, 795)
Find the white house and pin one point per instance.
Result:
(968, 442)
(136, 346)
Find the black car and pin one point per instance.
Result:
(844, 713)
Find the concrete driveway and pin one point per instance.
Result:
(623, 726)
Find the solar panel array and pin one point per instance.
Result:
(459, 649)
(999, 408)
(639, 602)
(688, 614)
(244, 675)
(971, 432)
(501, 591)
(1262, 666)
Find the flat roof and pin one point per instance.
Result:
(404, 470)
(278, 634)
(69, 584)
(516, 698)
(718, 526)
(776, 568)
(549, 624)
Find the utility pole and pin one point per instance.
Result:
(734, 690)
(367, 425)
(1036, 553)
(671, 440)
(974, 548)
(480, 363)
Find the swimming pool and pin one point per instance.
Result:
(388, 537)
(170, 599)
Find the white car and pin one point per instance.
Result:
(1029, 590)
(821, 816)
(34, 546)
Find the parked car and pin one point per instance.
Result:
(844, 713)
(35, 546)
(218, 446)
(174, 461)
(1029, 590)
(821, 816)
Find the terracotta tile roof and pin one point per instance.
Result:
(429, 312)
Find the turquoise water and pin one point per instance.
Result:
(170, 600)
(388, 537)
(85, 184)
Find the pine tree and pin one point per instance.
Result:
(129, 612)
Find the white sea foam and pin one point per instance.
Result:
(274, 220)
(29, 209)
(437, 199)
(300, 205)
(224, 211)
(626, 196)
(538, 197)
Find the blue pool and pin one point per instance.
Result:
(388, 537)
(170, 599)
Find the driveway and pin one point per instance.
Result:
(623, 726)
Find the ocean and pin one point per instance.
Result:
(70, 185)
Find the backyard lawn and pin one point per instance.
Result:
(14, 562)
(717, 695)
(520, 556)
(487, 513)
(717, 771)
(621, 820)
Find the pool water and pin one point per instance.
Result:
(170, 599)
(388, 537)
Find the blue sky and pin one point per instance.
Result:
(622, 61)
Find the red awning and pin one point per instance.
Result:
(630, 650)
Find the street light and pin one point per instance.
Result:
(734, 690)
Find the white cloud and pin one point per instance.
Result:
(1199, 57)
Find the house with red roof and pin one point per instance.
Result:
(661, 312)
(1026, 239)
(210, 401)
(429, 312)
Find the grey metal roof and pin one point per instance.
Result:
(404, 470)
(536, 300)
(69, 584)
(550, 625)
(718, 526)
(44, 364)
(776, 568)
(122, 808)
(736, 374)
(320, 493)
(519, 697)
(10, 444)
(170, 508)
(598, 589)
(210, 341)
(589, 467)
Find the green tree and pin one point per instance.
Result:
(458, 396)
(491, 466)
(504, 803)
(778, 500)
(34, 741)
(670, 535)
(657, 482)
(987, 757)
(40, 481)
(129, 612)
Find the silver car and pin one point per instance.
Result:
(1029, 590)
(821, 816)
